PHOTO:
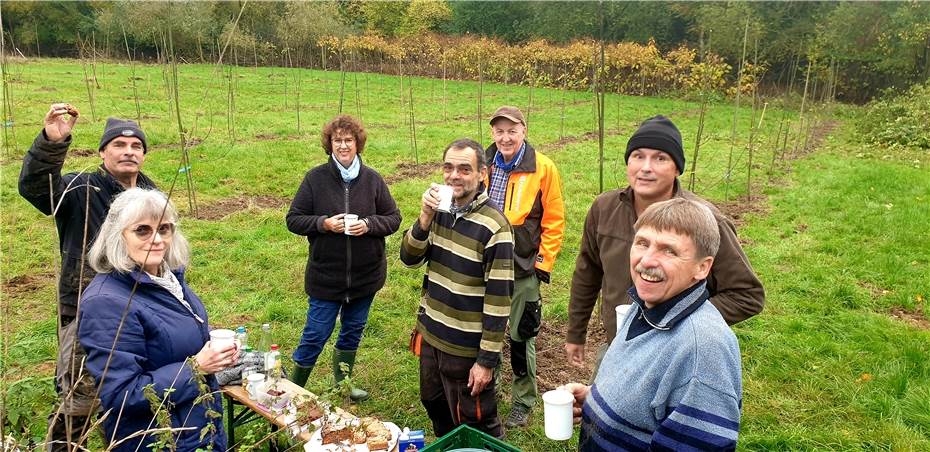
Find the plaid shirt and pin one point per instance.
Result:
(497, 191)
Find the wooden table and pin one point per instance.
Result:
(237, 395)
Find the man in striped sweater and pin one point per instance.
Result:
(467, 292)
(671, 380)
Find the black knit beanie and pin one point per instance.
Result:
(659, 133)
(121, 128)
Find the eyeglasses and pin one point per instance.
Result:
(145, 232)
(340, 142)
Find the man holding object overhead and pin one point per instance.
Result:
(79, 202)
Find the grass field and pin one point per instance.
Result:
(837, 361)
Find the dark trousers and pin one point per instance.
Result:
(448, 401)
(76, 390)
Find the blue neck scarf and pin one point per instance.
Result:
(508, 167)
(348, 174)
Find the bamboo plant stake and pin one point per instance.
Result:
(9, 131)
(752, 135)
(697, 142)
(480, 89)
(132, 77)
(413, 124)
(599, 89)
(342, 79)
(739, 90)
(87, 84)
(182, 134)
(807, 80)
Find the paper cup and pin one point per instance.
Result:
(349, 219)
(622, 310)
(445, 198)
(255, 385)
(557, 409)
(221, 339)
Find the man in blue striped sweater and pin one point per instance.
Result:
(671, 379)
(467, 294)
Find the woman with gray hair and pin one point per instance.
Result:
(144, 330)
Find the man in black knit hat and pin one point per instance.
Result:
(79, 202)
(655, 158)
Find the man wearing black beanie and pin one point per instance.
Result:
(77, 201)
(655, 158)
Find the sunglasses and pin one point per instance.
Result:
(145, 232)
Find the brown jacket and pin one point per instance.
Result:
(605, 250)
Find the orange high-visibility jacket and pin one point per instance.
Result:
(533, 204)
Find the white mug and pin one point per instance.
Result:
(622, 310)
(348, 220)
(557, 410)
(445, 198)
(221, 339)
(255, 385)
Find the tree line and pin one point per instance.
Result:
(866, 48)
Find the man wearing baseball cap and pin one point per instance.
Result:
(525, 185)
(655, 158)
(79, 202)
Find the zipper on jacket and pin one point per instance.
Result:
(348, 248)
(510, 205)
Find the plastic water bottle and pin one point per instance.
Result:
(264, 345)
(242, 339)
(272, 362)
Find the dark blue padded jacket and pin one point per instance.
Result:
(157, 337)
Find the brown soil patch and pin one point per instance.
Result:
(552, 369)
(228, 206)
(43, 369)
(27, 283)
(738, 210)
(407, 171)
(193, 142)
(83, 152)
(914, 318)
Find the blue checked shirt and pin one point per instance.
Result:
(498, 189)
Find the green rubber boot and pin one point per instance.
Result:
(347, 357)
(300, 375)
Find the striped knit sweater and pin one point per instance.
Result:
(675, 387)
(469, 280)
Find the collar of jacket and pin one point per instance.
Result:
(142, 181)
(666, 315)
(527, 165)
(334, 170)
(476, 203)
(140, 276)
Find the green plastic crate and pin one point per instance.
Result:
(464, 436)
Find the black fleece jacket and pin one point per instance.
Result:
(339, 266)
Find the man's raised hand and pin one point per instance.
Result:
(57, 125)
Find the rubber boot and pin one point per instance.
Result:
(347, 357)
(300, 375)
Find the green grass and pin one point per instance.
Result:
(842, 240)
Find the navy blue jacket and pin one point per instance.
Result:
(158, 335)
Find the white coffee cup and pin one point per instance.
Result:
(221, 339)
(557, 410)
(445, 198)
(622, 311)
(255, 385)
(349, 219)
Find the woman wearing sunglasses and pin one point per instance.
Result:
(345, 210)
(145, 330)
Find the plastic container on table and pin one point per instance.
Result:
(464, 437)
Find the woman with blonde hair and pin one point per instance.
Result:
(146, 332)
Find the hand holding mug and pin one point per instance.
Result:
(335, 224)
